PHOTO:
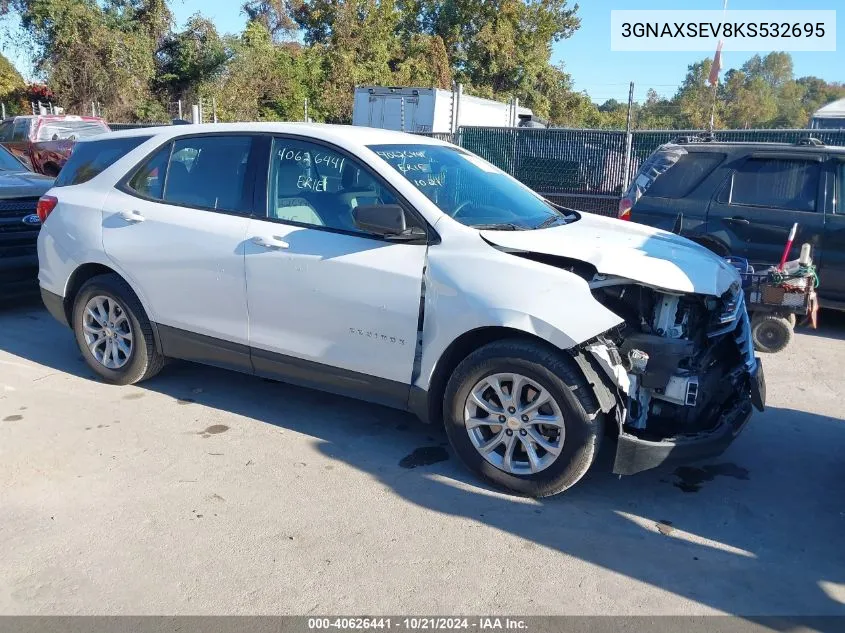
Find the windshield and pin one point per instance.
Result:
(70, 130)
(9, 162)
(469, 189)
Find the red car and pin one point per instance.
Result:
(44, 143)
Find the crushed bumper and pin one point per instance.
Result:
(634, 454)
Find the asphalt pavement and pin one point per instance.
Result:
(209, 492)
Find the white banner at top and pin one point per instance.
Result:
(682, 30)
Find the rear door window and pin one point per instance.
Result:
(778, 183)
(210, 172)
(148, 181)
(91, 158)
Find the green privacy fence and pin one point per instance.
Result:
(590, 169)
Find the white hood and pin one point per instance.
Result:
(625, 249)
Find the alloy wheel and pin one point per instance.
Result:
(514, 423)
(107, 331)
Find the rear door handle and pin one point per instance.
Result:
(270, 242)
(739, 221)
(132, 216)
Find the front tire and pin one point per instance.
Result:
(113, 331)
(520, 414)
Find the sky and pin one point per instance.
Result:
(587, 56)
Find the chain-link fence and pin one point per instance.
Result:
(591, 169)
(575, 168)
(584, 169)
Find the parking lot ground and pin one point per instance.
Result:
(209, 492)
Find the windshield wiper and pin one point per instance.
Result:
(556, 219)
(502, 226)
(551, 221)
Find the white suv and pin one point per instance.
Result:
(405, 271)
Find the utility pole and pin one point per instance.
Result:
(629, 139)
(306, 109)
(3, 106)
(214, 109)
(713, 108)
(180, 108)
(630, 107)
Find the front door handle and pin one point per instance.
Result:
(739, 221)
(132, 216)
(270, 242)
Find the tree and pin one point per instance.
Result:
(10, 79)
(189, 60)
(791, 112)
(657, 113)
(696, 98)
(818, 93)
(497, 47)
(775, 69)
(277, 16)
(576, 109)
(422, 61)
(358, 51)
(749, 100)
(96, 52)
(267, 81)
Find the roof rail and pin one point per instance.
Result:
(810, 141)
(702, 137)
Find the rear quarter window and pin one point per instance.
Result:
(91, 158)
(684, 176)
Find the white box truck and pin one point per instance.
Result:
(429, 110)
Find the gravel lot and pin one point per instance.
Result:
(208, 492)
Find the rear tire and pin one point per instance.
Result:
(771, 333)
(113, 331)
(536, 366)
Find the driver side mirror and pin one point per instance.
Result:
(387, 220)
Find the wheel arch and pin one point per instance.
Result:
(428, 405)
(88, 271)
(711, 243)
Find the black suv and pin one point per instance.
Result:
(742, 199)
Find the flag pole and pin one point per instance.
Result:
(714, 73)
(713, 109)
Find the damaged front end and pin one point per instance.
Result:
(680, 376)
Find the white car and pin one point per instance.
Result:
(405, 271)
